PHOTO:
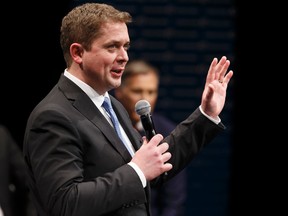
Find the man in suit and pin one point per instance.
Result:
(77, 163)
(14, 192)
(140, 81)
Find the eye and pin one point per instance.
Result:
(112, 47)
(127, 46)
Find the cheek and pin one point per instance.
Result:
(103, 60)
(92, 63)
(130, 100)
(151, 98)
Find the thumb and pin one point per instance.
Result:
(145, 140)
(210, 92)
(154, 141)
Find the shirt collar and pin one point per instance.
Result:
(92, 94)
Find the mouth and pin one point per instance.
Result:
(119, 71)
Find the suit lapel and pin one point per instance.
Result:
(84, 105)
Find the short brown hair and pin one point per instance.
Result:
(83, 25)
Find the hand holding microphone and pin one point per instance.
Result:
(143, 109)
(152, 157)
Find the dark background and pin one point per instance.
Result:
(234, 174)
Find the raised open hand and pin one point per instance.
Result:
(214, 94)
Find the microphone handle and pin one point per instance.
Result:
(148, 126)
(150, 134)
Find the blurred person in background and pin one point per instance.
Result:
(15, 197)
(140, 81)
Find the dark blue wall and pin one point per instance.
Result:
(179, 37)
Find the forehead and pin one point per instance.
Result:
(117, 31)
(142, 80)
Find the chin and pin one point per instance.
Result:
(115, 83)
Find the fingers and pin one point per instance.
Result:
(165, 156)
(218, 70)
(162, 148)
(210, 75)
(227, 77)
(153, 156)
(155, 140)
(222, 69)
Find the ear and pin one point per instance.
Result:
(76, 52)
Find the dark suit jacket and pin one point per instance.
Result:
(78, 166)
(14, 194)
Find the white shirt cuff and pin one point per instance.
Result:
(216, 121)
(139, 172)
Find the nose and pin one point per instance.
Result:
(146, 96)
(123, 55)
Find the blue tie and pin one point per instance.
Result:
(108, 107)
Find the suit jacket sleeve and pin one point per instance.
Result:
(187, 139)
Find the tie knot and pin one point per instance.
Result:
(107, 103)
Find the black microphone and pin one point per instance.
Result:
(143, 109)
